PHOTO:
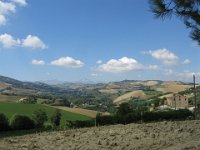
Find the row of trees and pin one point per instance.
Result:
(23, 122)
(125, 115)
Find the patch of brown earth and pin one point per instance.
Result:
(155, 136)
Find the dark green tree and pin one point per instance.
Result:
(56, 118)
(21, 122)
(4, 124)
(123, 109)
(40, 117)
(187, 10)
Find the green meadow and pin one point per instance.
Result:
(10, 108)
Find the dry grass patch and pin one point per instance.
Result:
(86, 112)
(136, 94)
(7, 98)
(174, 87)
(108, 91)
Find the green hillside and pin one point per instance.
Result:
(9, 109)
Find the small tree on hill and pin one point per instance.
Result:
(56, 118)
(40, 117)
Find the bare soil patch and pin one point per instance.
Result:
(155, 136)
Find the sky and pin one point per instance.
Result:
(97, 40)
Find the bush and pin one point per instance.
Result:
(21, 122)
(80, 124)
(4, 124)
(181, 114)
(40, 117)
(107, 120)
(55, 118)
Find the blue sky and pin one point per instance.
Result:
(101, 40)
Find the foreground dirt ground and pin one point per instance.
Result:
(151, 136)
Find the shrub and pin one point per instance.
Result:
(80, 124)
(21, 122)
(181, 114)
(4, 124)
(40, 117)
(55, 118)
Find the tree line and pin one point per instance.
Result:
(24, 122)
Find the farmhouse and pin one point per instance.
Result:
(177, 101)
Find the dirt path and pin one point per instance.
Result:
(151, 136)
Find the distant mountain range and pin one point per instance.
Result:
(56, 87)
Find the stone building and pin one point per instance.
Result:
(177, 101)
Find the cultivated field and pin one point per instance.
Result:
(173, 87)
(109, 91)
(137, 94)
(27, 109)
(86, 112)
(182, 135)
(6, 98)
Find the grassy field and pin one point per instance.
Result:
(9, 109)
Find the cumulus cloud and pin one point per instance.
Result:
(2, 20)
(165, 56)
(187, 75)
(123, 64)
(20, 2)
(152, 67)
(7, 8)
(67, 62)
(186, 61)
(99, 62)
(94, 74)
(8, 41)
(38, 62)
(33, 42)
(181, 75)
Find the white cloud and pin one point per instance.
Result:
(20, 2)
(2, 20)
(152, 67)
(94, 74)
(169, 72)
(38, 62)
(123, 64)
(8, 41)
(99, 62)
(185, 75)
(7, 8)
(165, 56)
(186, 61)
(33, 42)
(67, 62)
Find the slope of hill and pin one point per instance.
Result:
(183, 135)
(136, 94)
(171, 86)
(99, 96)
